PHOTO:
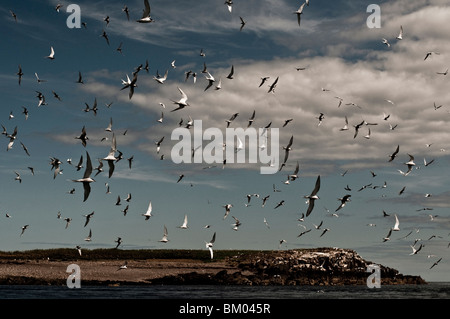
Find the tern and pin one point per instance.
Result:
(414, 250)
(229, 4)
(89, 237)
(20, 74)
(104, 35)
(397, 224)
(242, 23)
(251, 119)
(146, 14)
(38, 79)
(161, 79)
(148, 213)
(343, 200)
(111, 158)
(86, 180)
(51, 56)
(273, 86)
(23, 229)
(386, 42)
(210, 79)
(400, 34)
(68, 220)
(227, 210)
(12, 137)
(158, 145)
(18, 178)
(230, 75)
(182, 102)
(80, 78)
(118, 241)
(127, 12)
(287, 149)
(88, 218)
(210, 244)
(299, 12)
(345, 127)
(131, 84)
(83, 136)
(429, 54)
(313, 197)
(263, 80)
(443, 73)
(185, 222)
(410, 164)
(124, 266)
(266, 223)
(436, 262)
(164, 239)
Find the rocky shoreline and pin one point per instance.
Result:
(321, 266)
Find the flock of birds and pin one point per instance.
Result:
(114, 155)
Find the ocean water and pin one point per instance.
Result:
(433, 290)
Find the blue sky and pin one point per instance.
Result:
(344, 58)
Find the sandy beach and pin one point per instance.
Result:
(106, 271)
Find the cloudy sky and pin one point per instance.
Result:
(333, 64)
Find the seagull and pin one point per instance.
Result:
(210, 244)
(38, 79)
(414, 250)
(124, 266)
(343, 200)
(148, 213)
(20, 74)
(273, 86)
(83, 136)
(164, 239)
(86, 180)
(313, 196)
(429, 54)
(435, 263)
(397, 224)
(299, 12)
(89, 237)
(182, 102)
(146, 14)
(127, 12)
(161, 79)
(51, 56)
(111, 158)
(242, 23)
(383, 40)
(118, 241)
(400, 35)
(229, 4)
(263, 80)
(227, 210)
(443, 73)
(158, 145)
(185, 222)
(88, 218)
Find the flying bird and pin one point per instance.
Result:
(111, 157)
(86, 180)
(313, 197)
(182, 102)
(148, 213)
(210, 244)
(164, 239)
(51, 56)
(185, 223)
(400, 34)
(273, 86)
(299, 12)
(146, 18)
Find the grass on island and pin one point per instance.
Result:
(63, 254)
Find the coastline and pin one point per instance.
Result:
(314, 267)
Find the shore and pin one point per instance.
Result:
(325, 266)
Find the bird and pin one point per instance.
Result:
(429, 53)
(388, 236)
(89, 236)
(397, 224)
(18, 178)
(164, 239)
(123, 266)
(185, 222)
(118, 241)
(25, 227)
(227, 210)
(111, 157)
(299, 12)
(230, 75)
(105, 35)
(313, 197)
(410, 164)
(210, 244)
(357, 127)
(343, 200)
(400, 34)
(68, 220)
(345, 127)
(127, 12)
(146, 18)
(161, 79)
(443, 73)
(436, 107)
(130, 84)
(436, 263)
(288, 148)
(20, 74)
(394, 154)
(229, 4)
(251, 119)
(281, 203)
(148, 213)
(273, 86)
(80, 78)
(266, 223)
(182, 102)
(83, 136)
(88, 218)
(414, 250)
(158, 145)
(38, 79)
(86, 180)
(242, 23)
(386, 42)
(263, 80)
(51, 56)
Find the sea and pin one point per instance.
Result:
(210, 301)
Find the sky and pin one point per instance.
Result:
(333, 63)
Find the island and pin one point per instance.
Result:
(314, 266)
